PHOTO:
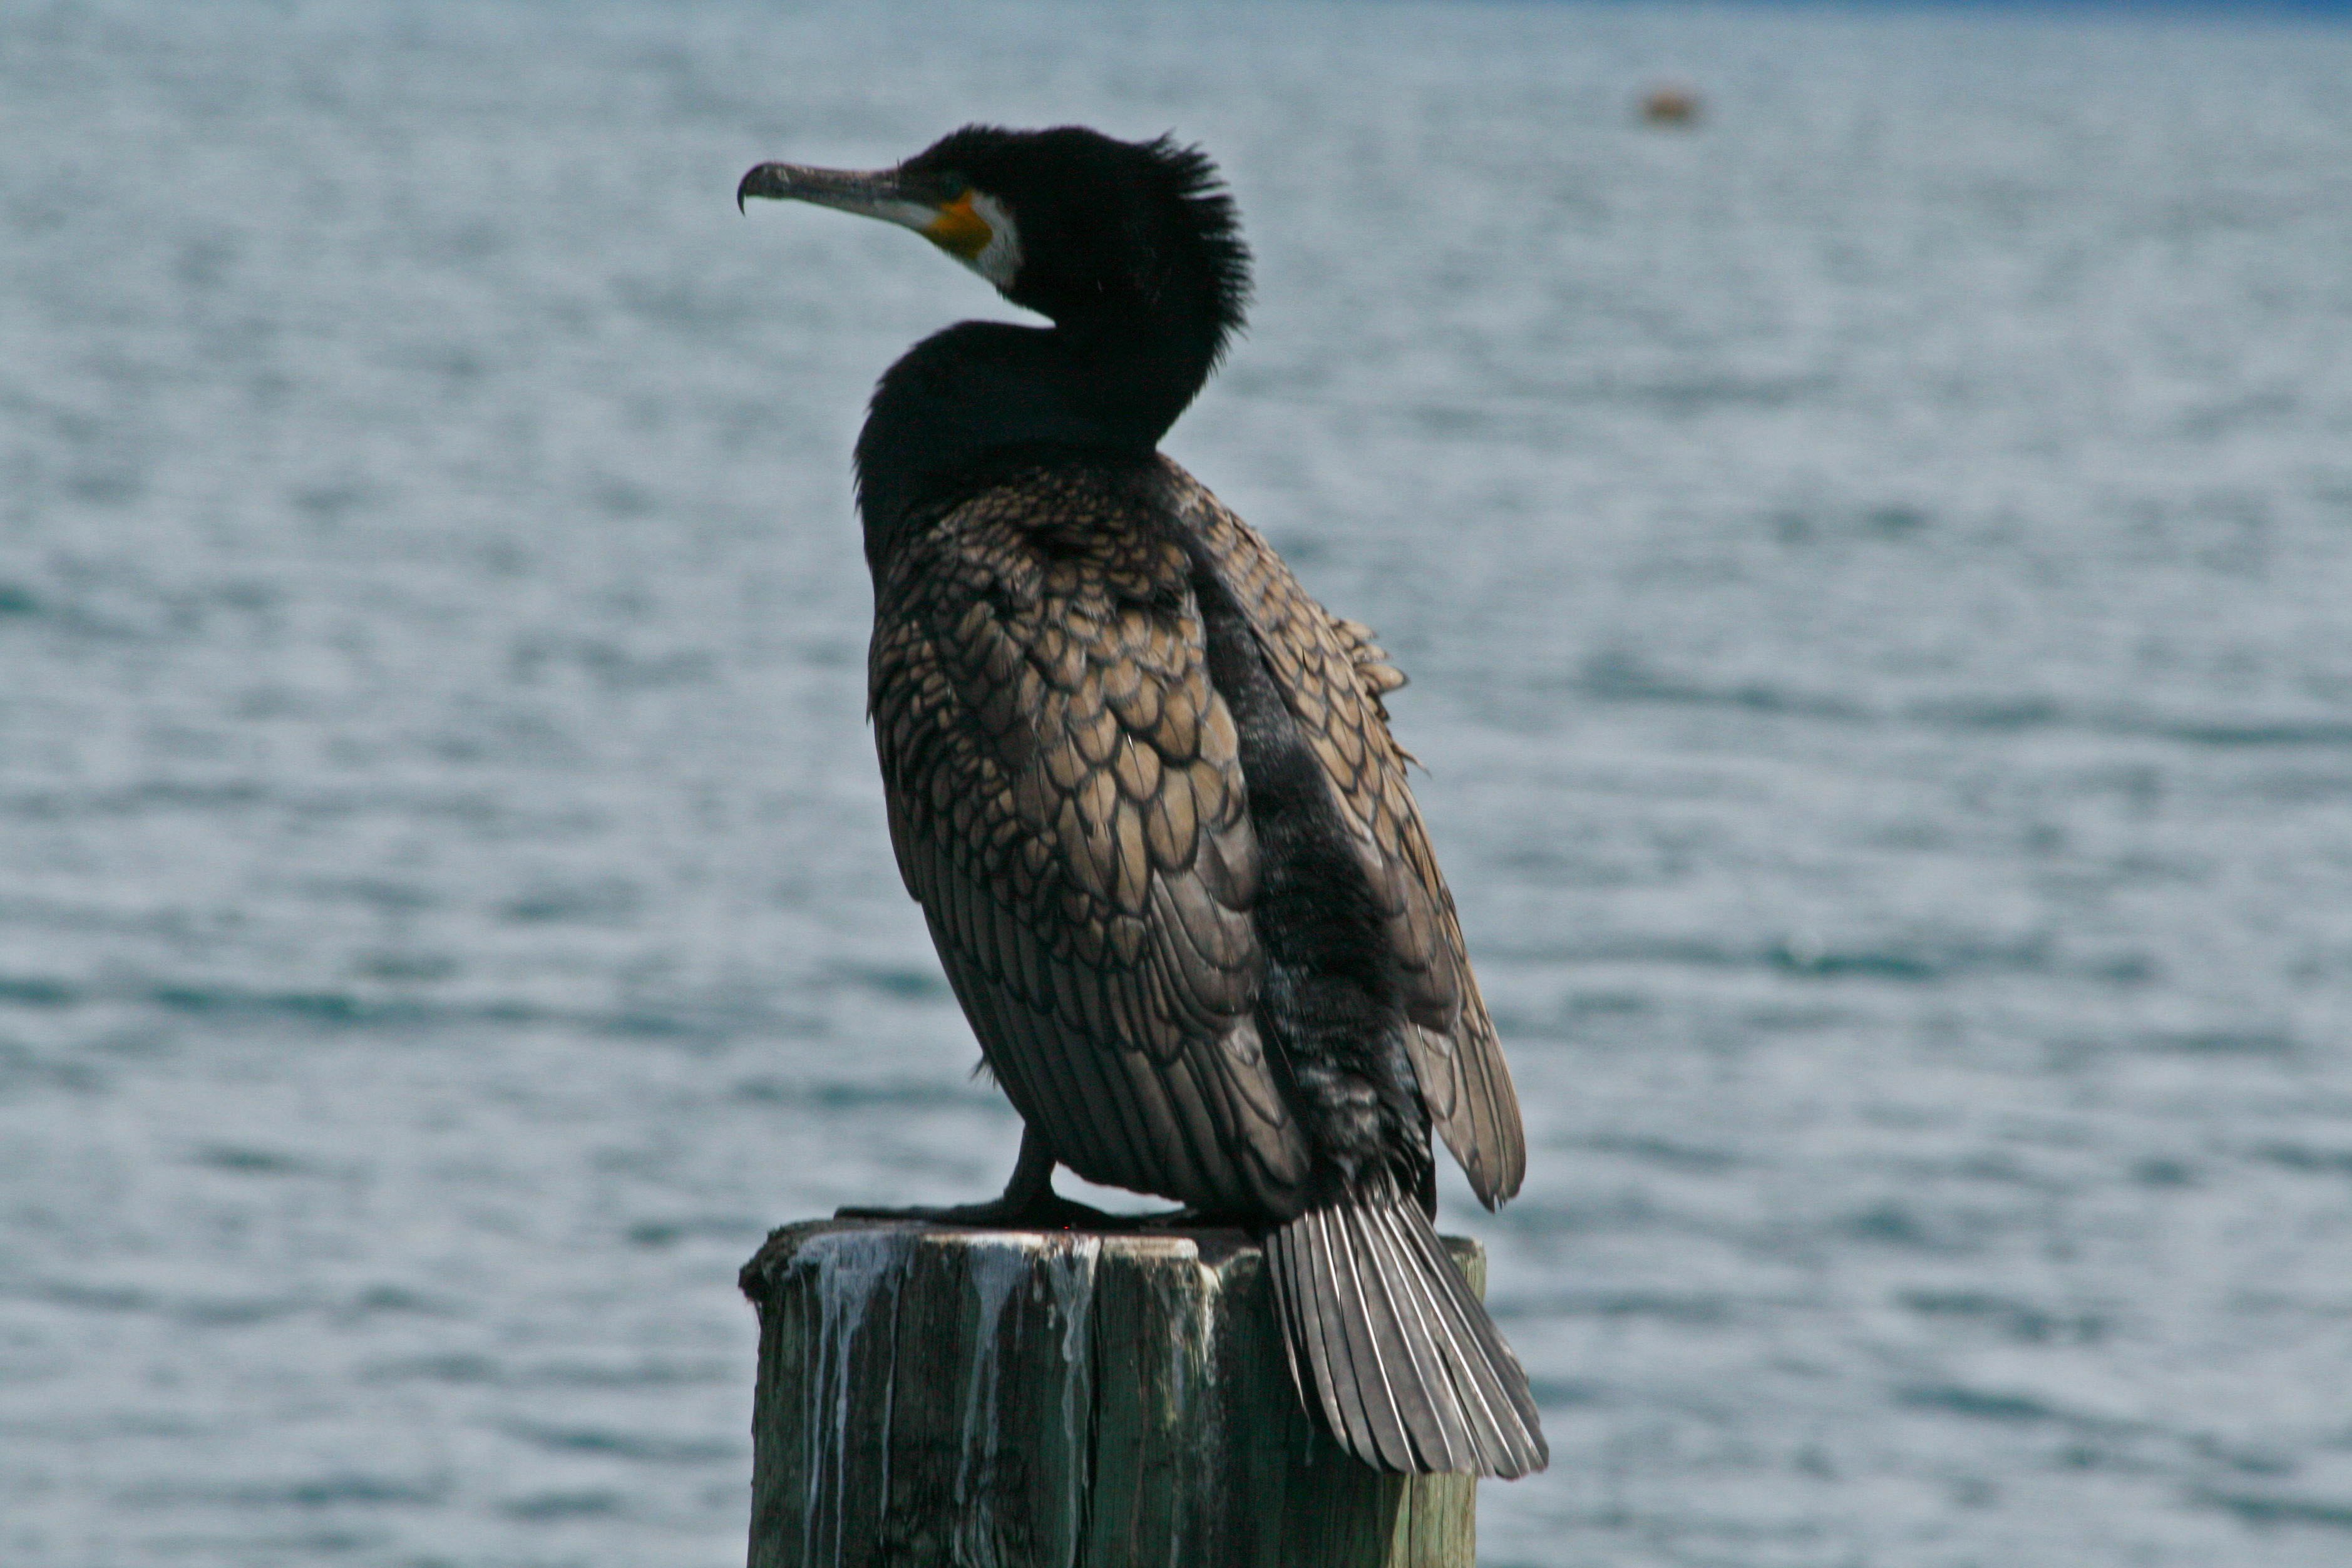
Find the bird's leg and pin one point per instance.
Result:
(1029, 1201)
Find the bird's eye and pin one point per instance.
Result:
(954, 186)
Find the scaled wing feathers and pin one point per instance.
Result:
(1067, 804)
(1334, 676)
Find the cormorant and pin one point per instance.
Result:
(1144, 789)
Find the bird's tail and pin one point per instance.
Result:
(1385, 1337)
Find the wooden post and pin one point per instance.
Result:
(931, 1396)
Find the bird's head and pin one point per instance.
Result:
(1077, 226)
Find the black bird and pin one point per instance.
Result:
(1144, 789)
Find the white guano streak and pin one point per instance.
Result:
(997, 1267)
(850, 1267)
(1070, 1275)
(1061, 1270)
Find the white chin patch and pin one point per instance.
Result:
(1000, 260)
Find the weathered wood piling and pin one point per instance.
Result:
(1058, 1399)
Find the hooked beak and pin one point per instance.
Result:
(913, 202)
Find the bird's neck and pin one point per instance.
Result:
(982, 390)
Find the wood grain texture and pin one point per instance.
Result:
(1015, 1399)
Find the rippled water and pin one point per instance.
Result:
(1876, 568)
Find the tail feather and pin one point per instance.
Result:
(1367, 1395)
(1494, 1401)
(1310, 1374)
(1440, 1402)
(1420, 1393)
(1386, 1340)
(1316, 1334)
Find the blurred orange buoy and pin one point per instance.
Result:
(1670, 103)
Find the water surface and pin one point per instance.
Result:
(1874, 571)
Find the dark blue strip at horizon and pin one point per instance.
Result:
(2251, 10)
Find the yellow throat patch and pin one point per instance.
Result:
(959, 230)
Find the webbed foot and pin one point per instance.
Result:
(1192, 1218)
(1029, 1202)
(1050, 1211)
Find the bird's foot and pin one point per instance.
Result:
(1051, 1211)
(1193, 1219)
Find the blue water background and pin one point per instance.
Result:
(1876, 571)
